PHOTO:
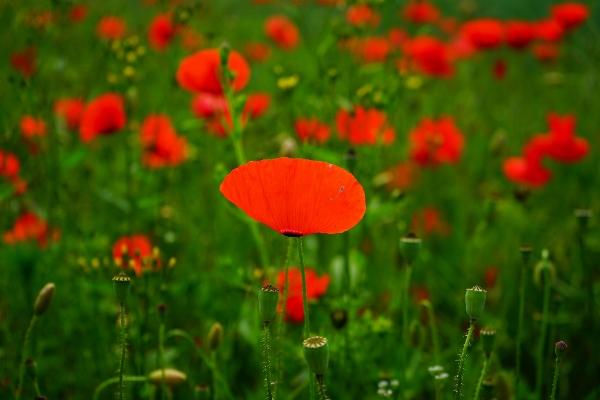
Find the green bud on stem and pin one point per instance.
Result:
(268, 298)
(475, 301)
(316, 354)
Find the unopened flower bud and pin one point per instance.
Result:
(43, 300)
(172, 377)
(560, 348)
(475, 301)
(410, 245)
(215, 336)
(121, 284)
(488, 337)
(316, 354)
(31, 369)
(268, 298)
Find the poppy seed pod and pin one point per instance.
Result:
(475, 301)
(215, 336)
(121, 284)
(43, 300)
(316, 354)
(172, 377)
(560, 348)
(31, 369)
(525, 251)
(268, 297)
(488, 337)
(410, 245)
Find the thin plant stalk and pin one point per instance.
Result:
(37, 388)
(483, 372)
(122, 363)
(555, 381)
(591, 300)
(111, 381)
(266, 339)
(434, 333)
(213, 357)
(543, 334)
(405, 328)
(520, 326)
(461, 361)
(305, 303)
(321, 388)
(24, 355)
(282, 318)
(161, 360)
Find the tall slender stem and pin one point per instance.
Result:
(591, 301)
(266, 339)
(520, 326)
(110, 381)
(161, 360)
(434, 333)
(282, 318)
(483, 372)
(24, 355)
(461, 362)
(543, 334)
(122, 365)
(306, 317)
(213, 355)
(405, 304)
(554, 383)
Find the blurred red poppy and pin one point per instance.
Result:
(161, 31)
(132, 251)
(491, 276)
(403, 176)
(282, 31)
(200, 72)
(162, 146)
(111, 27)
(528, 170)
(397, 38)
(311, 129)
(549, 30)
(207, 105)
(24, 61)
(78, 12)
(257, 51)
(32, 127)
(102, 116)
(563, 145)
(519, 34)
(70, 111)
(570, 15)
(499, 69)
(9, 169)
(256, 105)
(371, 49)
(436, 142)
(546, 52)
(30, 227)
(429, 220)
(364, 126)
(190, 39)
(430, 55)
(485, 33)
(420, 12)
(315, 287)
(362, 14)
(297, 197)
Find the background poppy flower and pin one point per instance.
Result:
(257, 51)
(200, 71)
(430, 56)
(297, 197)
(256, 105)
(161, 31)
(562, 144)
(364, 126)
(315, 287)
(403, 176)
(32, 127)
(546, 52)
(428, 220)
(362, 14)
(519, 34)
(282, 31)
(30, 227)
(485, 33)
(24, 61)
(111, 27)
(78, 12)
(371, 49)
(420, 12)
(528, 170)
(549, 30)
(138, 250)
(102, 116)
(570, 15)
(436, 142)
(162, 146)
(70, 111)
(312, 129)
(499, 69)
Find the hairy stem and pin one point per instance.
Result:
(461, 361)
(266, 348)
(321, 388)
(24, 356)
(543, 334)
(483, 372)
(434, 333)
(110, 381)
(122, 364)
(305, 303)
(282, 318)
(554, 383)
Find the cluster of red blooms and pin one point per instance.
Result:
(311, 129)
(362, 126)
(30, 227)
(163, 147)
(559, 144)
(9, 169)
(315, 287)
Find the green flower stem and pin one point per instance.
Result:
(591, 300)
(266, 348)
(161, 359)
(24, 355)
(110, 381)
(37, 388)
(282, 318)
(122, 365)
(461, 362)
(434, 333)
(542, 338)
(215, 371)
(204, 357)
(520, 326)
(483, 372)
(405, 306)
(554, 383)
(306, 317)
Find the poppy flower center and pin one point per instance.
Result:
(291, 233)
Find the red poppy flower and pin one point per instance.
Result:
(256, 105)
(491, 276)
(364, 126)
(485, 33)
(549, 30)
(28, 227)
(70, 111)
(282, 31)
(162, 146)
(315, 287)
(562, 145)
(403, 176)
(206, 105)
(570, 15)
(24, 61)
(430, 56)
(436, 142)
(372, 49)
(161, 31)
(136, 248)
(519, 34)
(9, 169)
(257, 51)
(297, 197)
(397, 38)
(111, 28)
(32, 127)
(200, 72)
(546, 52)
(309, 129)
(499, 69)
(429, 220)
(78, 12)
(190, 39)
(420, 12)
(102, 116)
(362, 14)
(528, 170)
